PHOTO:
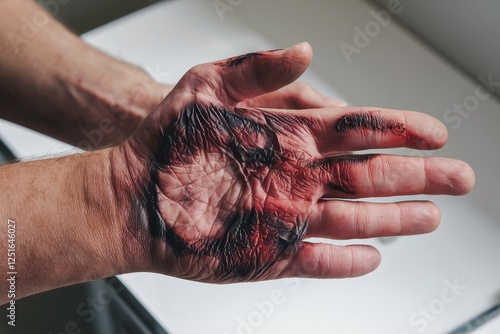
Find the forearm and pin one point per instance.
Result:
(54, 83)
(68, 225)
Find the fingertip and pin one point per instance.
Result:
(330, 261)
(300, 56)
(449, 176)
(370, 261)
(363, 260)
(464, 179)
(440, 135)
(247, 76)
(433, 216)
(429, 133)
(303, 48)
(427, 217)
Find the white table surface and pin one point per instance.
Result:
(492, 327)
(394, 70)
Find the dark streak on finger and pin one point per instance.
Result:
(327, 162)
(369, 121)
(235, 61)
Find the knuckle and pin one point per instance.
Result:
(202, 80)
(349, 259)
(380, 172)
(197, 69)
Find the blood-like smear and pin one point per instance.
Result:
(252, 240)
(236, 61)
(249, 239)
(373, 122)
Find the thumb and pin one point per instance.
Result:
(253, 74)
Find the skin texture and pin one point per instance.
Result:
(250, 165)
(220, 190)
(262, 190)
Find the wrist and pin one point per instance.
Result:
(103, 215)
(115, 97)
(126, 180)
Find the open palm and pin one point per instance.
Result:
(227, 191)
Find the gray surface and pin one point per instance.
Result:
(464, 31)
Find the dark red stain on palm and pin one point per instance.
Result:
(250, 241)
(256, 239)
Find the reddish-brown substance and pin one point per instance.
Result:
(373, 122)
(270, 176)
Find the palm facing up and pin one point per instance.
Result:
(225, 191)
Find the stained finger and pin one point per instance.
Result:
(253, 74)
(391, 175)
(359, 128)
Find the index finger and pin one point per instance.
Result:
(358, 128)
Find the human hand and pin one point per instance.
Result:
(217, 193)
